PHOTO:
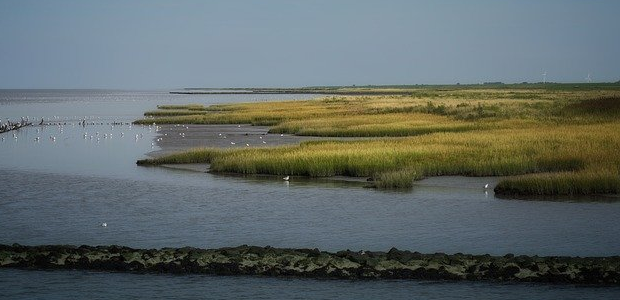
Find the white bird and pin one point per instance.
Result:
(286, 178)
(282, 134)
(247, 145)
(104, 224)
(232, 143)
(486, 186)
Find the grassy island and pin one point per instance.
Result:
(549, 140)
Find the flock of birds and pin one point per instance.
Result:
(60, 124)
(74, 122)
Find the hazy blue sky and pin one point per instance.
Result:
(171, 44)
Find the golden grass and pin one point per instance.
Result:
(582, 149)
(392, 124)
(557, 142)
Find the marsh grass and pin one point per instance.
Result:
(186, 157)
(555, 141)
(377, 125)
(172, 113)
(400, 179)
(181, 107)
(601, 107)
(563, 183)
(397, 162)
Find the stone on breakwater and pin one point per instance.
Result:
(268, 261)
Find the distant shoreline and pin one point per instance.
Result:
(355, 90)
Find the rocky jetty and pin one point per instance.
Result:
(267, 261)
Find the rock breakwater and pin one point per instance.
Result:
(268, 261)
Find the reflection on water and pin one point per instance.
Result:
(58, 191)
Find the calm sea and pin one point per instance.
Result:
(59, 182)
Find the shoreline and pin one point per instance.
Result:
(313, 263)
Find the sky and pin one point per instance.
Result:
(154, 44)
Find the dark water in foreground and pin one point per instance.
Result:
(58, 191)
(98, 285)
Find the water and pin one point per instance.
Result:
(59, 191)
(99, 285)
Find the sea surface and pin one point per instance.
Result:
(59, 182)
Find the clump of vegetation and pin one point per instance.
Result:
(185, 157)
(399, 179)
(181, 107)
(563, 183)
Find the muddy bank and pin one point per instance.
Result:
(176, 138)
(267, 261)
